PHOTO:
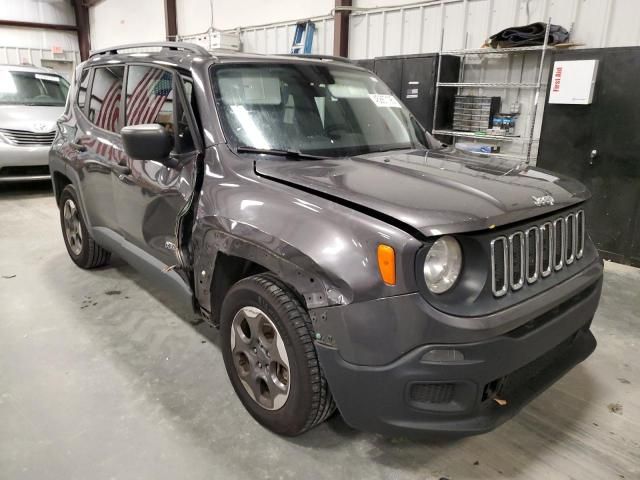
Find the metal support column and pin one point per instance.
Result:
(341, 29)
(82, 23)
(170, 20)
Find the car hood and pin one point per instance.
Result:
(435, 192)
(29, 117)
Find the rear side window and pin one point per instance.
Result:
(106, 92)
(150, 97)
(82, 88)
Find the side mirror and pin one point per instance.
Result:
(149, 141)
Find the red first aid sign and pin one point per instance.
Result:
(557, 77)
(572, 81)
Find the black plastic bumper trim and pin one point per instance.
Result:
(377, 398)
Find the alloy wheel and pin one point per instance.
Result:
(72, 227)
(260, 358)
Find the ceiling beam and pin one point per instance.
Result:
(170, 19)
(81, 11)
(341, 29)
(46, 26)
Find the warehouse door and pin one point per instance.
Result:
(599, 144)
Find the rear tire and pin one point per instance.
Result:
(270, 357)
(82, 249)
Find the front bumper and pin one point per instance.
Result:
(23, 163)
(457, 395)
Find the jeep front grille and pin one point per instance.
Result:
(525, 256)
(27, 138)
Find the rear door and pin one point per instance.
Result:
(95, 142)
(151, 197)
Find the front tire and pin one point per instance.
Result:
(270, 357)
(82, 249)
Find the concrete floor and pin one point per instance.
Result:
(102, 377)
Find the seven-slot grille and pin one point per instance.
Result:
(27, 138)
(527, 255)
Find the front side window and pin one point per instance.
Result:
(149, 97)
(106, 92)
(32, 88)
(326, 110)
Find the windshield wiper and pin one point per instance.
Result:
(391, 149)
(282, 153)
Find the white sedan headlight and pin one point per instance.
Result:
(443, 264)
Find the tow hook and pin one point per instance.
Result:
(500, 401)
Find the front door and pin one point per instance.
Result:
(151, 196)
(599, 145)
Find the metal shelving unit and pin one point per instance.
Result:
(528, 138)
(481, 136)
(486, 85)
(496, 51)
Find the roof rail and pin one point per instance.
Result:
(188, 47)
(320, 57)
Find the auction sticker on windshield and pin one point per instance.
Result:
(384, 100)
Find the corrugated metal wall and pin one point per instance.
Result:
(30, 45)
(278, 38)
(457, 24)
(34, 56)
(417, 28)
(421, 27)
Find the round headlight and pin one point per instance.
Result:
(442, 264)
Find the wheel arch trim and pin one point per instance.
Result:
(215, 247)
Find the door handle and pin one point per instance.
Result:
(592, 156)
(121, 170)
(78, 146)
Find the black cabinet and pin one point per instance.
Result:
(413, 79)
(419, 75)
(366, 63)
(599, 144)
(389, 69)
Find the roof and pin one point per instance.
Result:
(185, 55)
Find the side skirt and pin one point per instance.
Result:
(148, 265)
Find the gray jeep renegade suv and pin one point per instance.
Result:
(350, 260)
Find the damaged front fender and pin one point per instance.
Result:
(326, 251)
(215, 236)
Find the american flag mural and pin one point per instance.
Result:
(104, 105)
(110, 109)
(149, 100)
(152, 89)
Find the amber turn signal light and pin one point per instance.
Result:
(387, 264)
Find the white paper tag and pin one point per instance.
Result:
(388, 101)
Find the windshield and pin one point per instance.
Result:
(32, 88)
(323, 110)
